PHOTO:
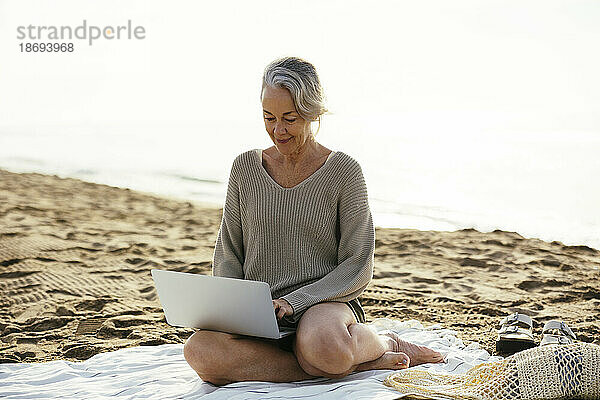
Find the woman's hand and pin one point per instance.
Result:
(282, 308)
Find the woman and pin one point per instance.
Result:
(296, 216)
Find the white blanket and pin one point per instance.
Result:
(161, 372)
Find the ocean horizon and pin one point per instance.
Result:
(541, 185)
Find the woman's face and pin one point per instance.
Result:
(287, 129)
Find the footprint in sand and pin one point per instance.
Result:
(172, 262)
(417, 279)
(23, 355)
(108, 331)
(81, 352)
(473, 262)
(127, 322)
(550, 262)
(14, 274)
(442, 299)
(93, 304)
(390, 274)
(47, 324)
(152, 342)
(135, 260)
(499, 243)
(539, 284)
(147, 289)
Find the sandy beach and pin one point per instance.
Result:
(75, 261)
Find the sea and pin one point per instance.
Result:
(542, 185)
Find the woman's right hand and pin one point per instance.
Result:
(282, 308)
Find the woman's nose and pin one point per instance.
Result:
(279, 128)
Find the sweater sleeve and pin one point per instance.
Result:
(228, 258)
(355, 251)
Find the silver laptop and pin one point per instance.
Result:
(220, 304)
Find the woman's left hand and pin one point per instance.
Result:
(282, 308)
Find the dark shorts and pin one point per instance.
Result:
(287, 342)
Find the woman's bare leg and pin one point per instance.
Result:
(331, 343)
(221, 358)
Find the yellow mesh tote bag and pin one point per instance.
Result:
(549, 372)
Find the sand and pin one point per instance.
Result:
(75, 261)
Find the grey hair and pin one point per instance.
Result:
(300, 78)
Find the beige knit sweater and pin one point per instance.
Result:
(311, 243)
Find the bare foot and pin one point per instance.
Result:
(388, 360)
(417, 354)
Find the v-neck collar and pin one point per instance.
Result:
(258, 153)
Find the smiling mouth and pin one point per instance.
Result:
(283, 141)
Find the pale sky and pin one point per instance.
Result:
(529, 65)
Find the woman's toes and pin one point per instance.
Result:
(398, 360)
(417, 354)
(389, 360)
(392, 360)
(420, 354)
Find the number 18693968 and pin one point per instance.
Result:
(46, 47)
